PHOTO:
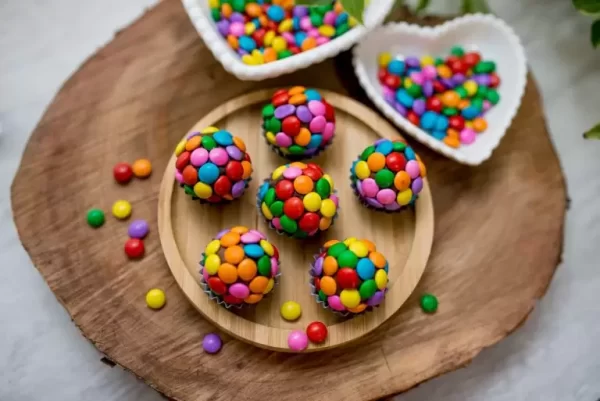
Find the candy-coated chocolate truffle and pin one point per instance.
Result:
(388, 176)
(298, 200)
(298, 123)
(349, 277)
(213, 166)
(138, 229)
(122, 173)
(212, 343)
(155, 298)
(95, 217)
(297, 340)
(121, 209)
(290, 310)
(316, 332)
(239, 266)
(429, 303)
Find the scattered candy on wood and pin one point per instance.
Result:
(212, 343)
(122, 173)
(155, 298)
(266, 31)
(298, 200)
(213, 166)
(142, 168)
(290, 310)
(95, 218)
(447, 98)
(429, 303)
(121, 209)
(239, 266)
(298, 123)
(388, 175)
(297, 340)
(349, 277)
(138, 229)
(316, 332)
(134, 248)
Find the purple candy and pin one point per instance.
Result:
(192, 134)
(310, 152)
(482, 79)
(376, 298)
(212, 343)
(427, 88)
(393, 206)
(377, 142)
(223, 27)
(390, 98)
(237, 17)
(284, 110)
(458, 79)
(304, 114)
(359, 188)
(412, 62)
(374, 203)
(234, 152)
(400, 109)
(242, 52)
(486, 105)
(448, 83)
(300, 11)
(238, 189)
(419, 107)
(417, 185)
(318, 267)
(138, 229)
(222, 233)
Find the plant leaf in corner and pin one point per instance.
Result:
(313, 2)
(354, 8)
(422, 5)
(589, 7)
(595, 33)
(593, 133)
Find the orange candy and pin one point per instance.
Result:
(402, 180)
(452, 142)
(358, 309)
(479, 124)
(226, 10)
(378, 259)
(253, 298)
(234, 254)
(309, 43)
(142, 168)
(370, 245)
(247, 269)
(450, 99)
(259, 284)
(227, 273)
(376, 162)
(298, 99)
(330, 266)
(324, 223)
(303, 184)
(253, 10)
(328, 285)
(237, 141)
(247, 166)
(230, 239)
(330, 243)
(296, 90)
(193, 143)
(239, 229)
(233, 42)
(303, 138)
(270, 55)
(463, 104)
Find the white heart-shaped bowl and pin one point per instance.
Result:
(199, 13)
(491, 36)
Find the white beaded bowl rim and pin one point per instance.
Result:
(199, 13)
(484, 32)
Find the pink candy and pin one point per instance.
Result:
(239, 290)
(467, 136)
(297, 340)
(237, 29)
(335, 303)
(198, 157)
(316, 108)
(370, 187)
(317, 124)
(412, 168)
(386, 196)
(218, 156)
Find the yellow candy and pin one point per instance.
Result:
(362, 170)
(300, 165)
(155, 298)
(213, 247)
(290, 310)
(469, 124)
(279, 44)
(210, 130)
(270, 285)
(327, 30)
(407, 82)
(471, 87)
(350, 298)
(286, 25)
(258, 56)
(329, 180)
(349, 241)
(266, 211)
(214, 3)
(352, 22)
(381, 279)
(312, 202)
(249, 28)
(328, 208)
(427, 60)
(268, 39)
(404, 197)
(359, 248)
(212, 263)
(121, 209)
(271, 138)
(278, 172)
(202, 190)
(384, 59)
(267, 247)
(180, 147)
(248, 59)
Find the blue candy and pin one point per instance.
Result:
(396, 67)
(470, 112)
(341, 19)
(387, 266)
(247, 43)
(365, 269)
(404, 98)
(255, 251)
(208, 173)
(312, 94)
(439, 135)
(409, 153)
(223, 138)
(315, 141)
(441, 124)
(263, 191)
(276, 13)
(428, 120)
(296, 25)
(385, 147)
(299, 37)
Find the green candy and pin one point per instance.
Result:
(268, 110)
(347, 259)
(270, 197)
(95, 217)
(367, 289)
(484, 67)
(189, 190)
(342, 29)
(450, 111)
(481, 91)
(457, 51)
(300, 234)
(264, 266)
(414, 90)
(284, 54)
(439, 61)
(477, 102)
(316, 20)
(384, 178)
(322, 296)
(215, 13)
(208, 142)
(238, 5)
(336, 249)
(289, 226)
(273, 125)
(493, 96)
(462, 92)
(277, 208)
(322, 10)
(367, 152)
(398, 146)
(323, 188)
(297, 149)
(429, 303)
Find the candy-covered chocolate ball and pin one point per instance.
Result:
(298, 123)
(388, 175)
(349, 276)
(239, 266)
(213, 165)
(298, 200)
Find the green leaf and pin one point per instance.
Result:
(592, 133)
(587, 6)
(422, 5)
(596, 33)
(354, 8)
(313, 2)
(475, 6)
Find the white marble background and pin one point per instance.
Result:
(555, 356)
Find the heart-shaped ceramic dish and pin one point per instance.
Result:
(491, 36)
(199, 13)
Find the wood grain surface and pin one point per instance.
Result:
(185, 227)
(497, 240)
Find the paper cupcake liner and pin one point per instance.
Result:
(285, 233)
(222, 201)
(295, 158)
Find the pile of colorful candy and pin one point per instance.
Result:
(239, 266)
(349, 276)
(445, 97)
(213, 165)
(264, 31)
(298, 200)
(388, 175)
(298, 123)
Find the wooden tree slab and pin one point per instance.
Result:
(497, 241)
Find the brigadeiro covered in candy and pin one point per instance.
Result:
(298, 123)
(298, 200)
(213, 166)
(349, 277)
(239, 267)
(388, 176)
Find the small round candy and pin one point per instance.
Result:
(316, 332)
(142, 168)
(122, 173)
(155, 298)
(297, 340)
(121, 209)
(212, 343)
(429, 303)
(138, 229)
(134, 248)
(290, 310)
(95, 218)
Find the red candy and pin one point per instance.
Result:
(280, 99)
(291, 125)
(456, 122)
(230, 299)
(122, 173)
(134, 248)
(438, 87)
(190, 175)
(284, 189)
(182, 160)
(222, 186)
(413, 118)
(494, 80)
(434, 104)
(347, 278)
(217, 286)
(234, 170)
(458, 67)
(395, 161)
(393, 81)
(329, 111)
(309, 222)
(293, 208)
(279, 93)
(312, 173)
(471, 59)
(316, 332)
(382, 74)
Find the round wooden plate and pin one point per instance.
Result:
(185, 227)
